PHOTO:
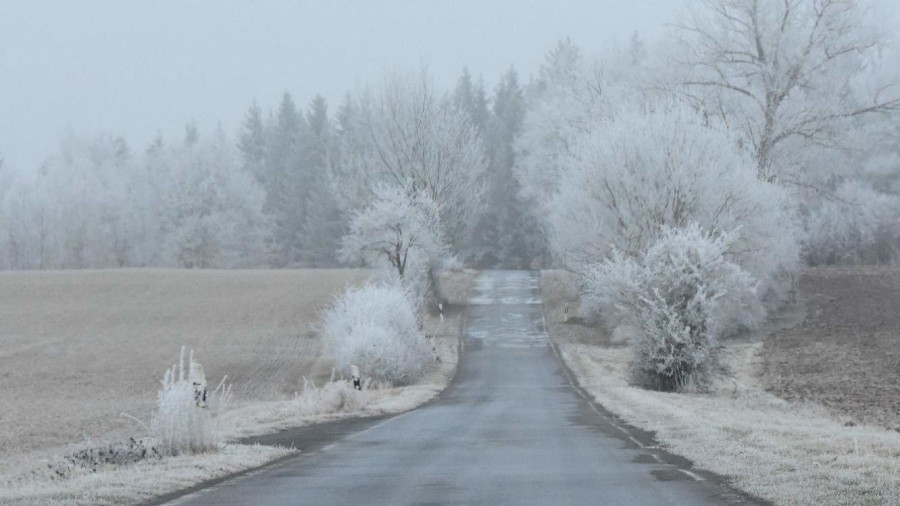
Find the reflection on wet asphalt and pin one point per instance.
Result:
(510, 430)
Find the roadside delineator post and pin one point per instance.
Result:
(354, 374)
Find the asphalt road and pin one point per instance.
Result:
(512, 429)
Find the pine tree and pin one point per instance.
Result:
(252, 143)
(502, 234)
(284, 184)
(323, 226)
(472, 99)
(191, 133)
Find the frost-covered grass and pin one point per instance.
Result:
(186, 410)
(138, 482)
(77, 348)
(93, 478)
(787, 452)
(333, 402)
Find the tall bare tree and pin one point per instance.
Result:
(783, 71)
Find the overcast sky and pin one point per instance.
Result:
(135, 67)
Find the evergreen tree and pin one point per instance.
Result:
(472, 99)
(252, 143)
(191, 133)
(284, 181)
(323, 226)
(502, 236)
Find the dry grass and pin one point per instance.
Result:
(139, 482)
(787, 452)
(79, 347)
(229, 312)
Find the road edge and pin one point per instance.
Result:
(361, 423)
(644, 439)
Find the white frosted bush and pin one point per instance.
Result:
(375, 327)
(629, 177)
(452, 263)
(684, 294)
(861, 226)
(183, 421)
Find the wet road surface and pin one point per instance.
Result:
(512, 429)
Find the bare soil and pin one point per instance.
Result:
(845, 354)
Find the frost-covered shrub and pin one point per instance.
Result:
(333, 397)
(629, 177)
(375, 327)
(452, 263)
(861, 226)
(684, 294)
(96, 458)
(183, 421)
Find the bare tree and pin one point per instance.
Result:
(782, 70)
(406, 135)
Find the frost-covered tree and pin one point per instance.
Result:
(212, 212)
(506, 234)
(858, 226)
(790, 74)
(629, 178)
(405, 134)
(471, 98)
(323, 224)
(399, 224)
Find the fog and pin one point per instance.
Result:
(420, 136)
(136, 67)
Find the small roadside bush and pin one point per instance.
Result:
(95, 458)
(333, 397)
(183, 421)
(375, 327)
(684, 294)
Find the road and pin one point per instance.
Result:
(512, 429)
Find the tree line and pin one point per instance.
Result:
(595, 152)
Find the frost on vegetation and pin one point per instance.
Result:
(400, 226)
(376, 328)
(632, 176)
(858, 226)
(452, 263)
(96, 458)
(685, 294)
(184, 419)
(333, 397)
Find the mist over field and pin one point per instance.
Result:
(686, 212)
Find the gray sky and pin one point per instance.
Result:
(135, 67)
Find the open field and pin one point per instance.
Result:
(789, 452)
(77, 348)
(258, 326)
(845, 354)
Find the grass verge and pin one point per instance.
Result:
(786, 452)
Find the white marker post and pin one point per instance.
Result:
(354, 374)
